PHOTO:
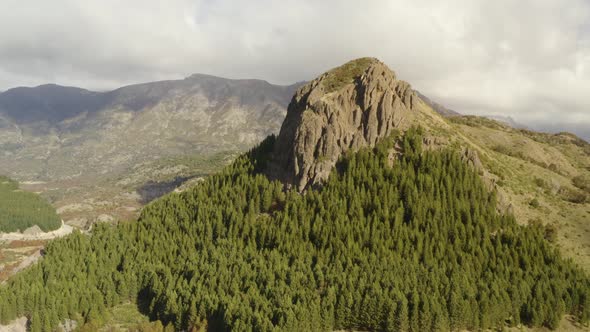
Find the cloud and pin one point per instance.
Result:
(529, 59)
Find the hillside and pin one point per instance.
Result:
(535, 175)
(20, 210)
(97, 155)
(417, 226)
(538, 176)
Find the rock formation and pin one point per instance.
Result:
(347, 108)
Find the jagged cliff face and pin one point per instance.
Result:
(347, 108)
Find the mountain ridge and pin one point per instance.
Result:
(90, 100)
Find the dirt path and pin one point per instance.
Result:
(62, 231)
(27, 262)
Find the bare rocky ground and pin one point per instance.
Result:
(34, 233)
(18, 325)
(20, 250)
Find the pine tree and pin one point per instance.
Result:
(35, 323)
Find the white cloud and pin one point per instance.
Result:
(529, 59)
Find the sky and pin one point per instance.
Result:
(528, 59)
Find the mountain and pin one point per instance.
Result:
(446, 112)
(48, 103)
(507, 120)
(581, 129)
(52, 132)
(321, 124)
(438, 108)
(404, 234)
(101, 155)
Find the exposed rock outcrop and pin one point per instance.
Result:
(347, 108)
(471, 157)
(18, 325)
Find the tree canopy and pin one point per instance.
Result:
(20, 210)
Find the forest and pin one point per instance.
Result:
(413, 245)
(20, 210)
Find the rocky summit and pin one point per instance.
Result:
(346, 108)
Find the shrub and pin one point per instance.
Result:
(541, 183)
(478, 121)
(582, 182)
(534, 203)
(550, 233)
(573, 196)
(345, 74)
(535, 223)
(502, 149)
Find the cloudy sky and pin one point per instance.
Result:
(529, 59)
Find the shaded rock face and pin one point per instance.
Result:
(347, 108)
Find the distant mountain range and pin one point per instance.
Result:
(71, 137)
(440, 109)
(507, 120)
(53, 132)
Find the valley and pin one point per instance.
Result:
(119, 197)
(100, 156)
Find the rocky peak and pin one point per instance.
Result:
(346, 108)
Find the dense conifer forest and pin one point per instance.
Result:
(20, 210)
(417, 246)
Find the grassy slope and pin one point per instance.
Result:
(521, 184)
(345, 74)
(521, 163)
